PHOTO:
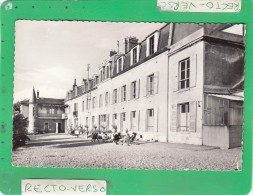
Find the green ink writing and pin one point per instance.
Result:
(28, 187)
(88, 188)
(37, 189)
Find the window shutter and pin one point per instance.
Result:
(175, 68)
(173, 118)
(107, 122)
(128, 92)
(156, 82)
(138, 88)
(108, 101)
(193, 70)
(137, 120)
(145, 79)
(128, 120)
(112, 97)
(119, 100)
(144, 119)
(193, 113)
(156, 117)
(156, 41)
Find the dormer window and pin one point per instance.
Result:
(152, 44)
(75, 91)
(135, 54)
(120, 64)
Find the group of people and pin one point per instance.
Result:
(116, 137)
(128, 139)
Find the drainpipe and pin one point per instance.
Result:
(167, 102)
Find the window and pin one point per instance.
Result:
(75, 106)
(114, 118)
(115, 96)
(87, 121)
(217, 111)
(83, 106)
(152, 45)
(123, 116)
(150, 86)
(150, 120)
(93, 120)
(33, 111)
(75, 91)
(93, 102)
(184, 77)
(107, 71)
(51, 110)
(133, 90)
(184, 117)
(88, 104)
(120, 64)
(100, 100)
(101, 75)
(135, 55)
(123, 93)
(133, 120)
(106, 98)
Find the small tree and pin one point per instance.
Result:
(20, 124)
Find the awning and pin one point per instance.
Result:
(229, 97)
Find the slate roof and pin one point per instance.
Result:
(50, 101)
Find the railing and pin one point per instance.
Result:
(64, 116)
(45, 115)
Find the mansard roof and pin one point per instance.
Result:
(169, 34)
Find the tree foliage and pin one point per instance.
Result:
(20, 124)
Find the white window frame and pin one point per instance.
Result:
(123, 93)
(186, 69)
(133, 90)
(150, 86)
(187, 113)
(115, 96)
(137, 48)
(106, 99)
(156, 37)
(100, 100)
(120, 65)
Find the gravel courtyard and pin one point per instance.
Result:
(69, 151)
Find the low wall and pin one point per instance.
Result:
(235, 136)
(216, 136)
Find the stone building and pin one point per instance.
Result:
(181, 84)
(45, 115)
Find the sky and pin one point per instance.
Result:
(49, 55)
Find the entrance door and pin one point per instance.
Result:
(133, 121)
(59, 128)
(150, 120)
(122, 122)
(46, 127)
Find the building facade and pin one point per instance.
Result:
(45, 115)
(181, 84)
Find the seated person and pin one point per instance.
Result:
(126, 138)
(105, 136)
(116, 137)
(94, 136)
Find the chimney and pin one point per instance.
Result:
(84, 81)
(38, 94)
(112, 53)
(74, 84)
(130, 42)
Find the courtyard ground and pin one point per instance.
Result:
(69, 151)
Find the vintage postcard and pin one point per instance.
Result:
(159, 96)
